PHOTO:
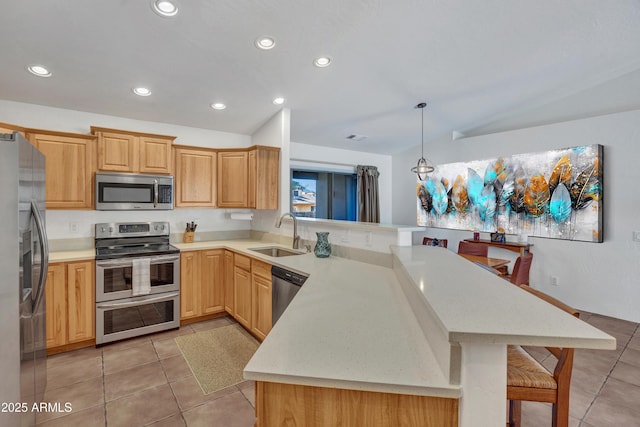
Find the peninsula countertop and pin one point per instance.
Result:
(351, 325)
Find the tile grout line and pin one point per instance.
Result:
(104, 389)
(168, 383)
(609, 374)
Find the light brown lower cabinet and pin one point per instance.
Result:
(261, 298)
(70, 304)
(298, 405)
(218, 280)
(228, 282)
(201, 283)
(242, 291)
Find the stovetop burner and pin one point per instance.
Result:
(126, 240)
(110, 252)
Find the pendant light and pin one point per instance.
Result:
(422, 168)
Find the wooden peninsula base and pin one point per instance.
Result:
(280, 404)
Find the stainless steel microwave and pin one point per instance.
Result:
(124, 191)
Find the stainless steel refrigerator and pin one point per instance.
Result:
(24, 258)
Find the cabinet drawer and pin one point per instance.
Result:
(243, 262)
(260, 268)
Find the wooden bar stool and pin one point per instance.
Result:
(528, 380)
(520, 274)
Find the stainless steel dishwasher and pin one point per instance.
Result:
(285, 286)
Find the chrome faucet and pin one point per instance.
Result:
(296, 238)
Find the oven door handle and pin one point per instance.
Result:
(163, 297)
(115, 263)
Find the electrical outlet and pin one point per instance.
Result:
(554, 280)
(345, 237)
(636, 236)
(73, 227)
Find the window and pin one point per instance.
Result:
(328, 195)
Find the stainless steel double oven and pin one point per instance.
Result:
(120, 314)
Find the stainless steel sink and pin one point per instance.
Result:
(275, 251)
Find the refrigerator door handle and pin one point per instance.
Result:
(44, 268)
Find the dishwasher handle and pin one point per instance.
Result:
(289, 276)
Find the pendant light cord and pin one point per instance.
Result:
(422, 130)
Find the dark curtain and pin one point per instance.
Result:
(368, 198)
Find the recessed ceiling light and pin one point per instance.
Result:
(218, 106)
(39, 70)
(278, 101)
(265, 42)
(322, 61)
(164, 7)
(141, 91)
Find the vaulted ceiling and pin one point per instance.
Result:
(480, 65)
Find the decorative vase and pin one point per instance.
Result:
(323, 247)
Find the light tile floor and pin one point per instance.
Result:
(146, 382)
(141, 382)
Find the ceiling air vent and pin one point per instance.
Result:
(356, 137)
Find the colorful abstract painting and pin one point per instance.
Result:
(555, 194)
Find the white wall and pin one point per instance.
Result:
(41, 117)
(598, 277)
(59, 221)
(276, 131)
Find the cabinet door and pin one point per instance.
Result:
(70, 168)
(212, 274)
(251, 185)
(228, 282)
(261, 316)
(233, 179)
(81, 301)
(190, 284)
(242, 299)
(267, 173)
(117, 152)
(155, 155)
(195, 177)
(56, 305)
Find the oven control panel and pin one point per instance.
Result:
(109, 230)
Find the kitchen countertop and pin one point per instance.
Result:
(65, 256)
(355, 325)
(350, 326)
(475, 305)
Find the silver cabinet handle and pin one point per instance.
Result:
(163, 297)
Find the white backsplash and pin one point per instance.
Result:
(77, 224)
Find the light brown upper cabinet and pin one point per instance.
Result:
(70, 165)
(133, 152)
(233, 171)
(9, 128)
(249, 178)
(195, 180)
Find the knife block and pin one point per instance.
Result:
(188, 236)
